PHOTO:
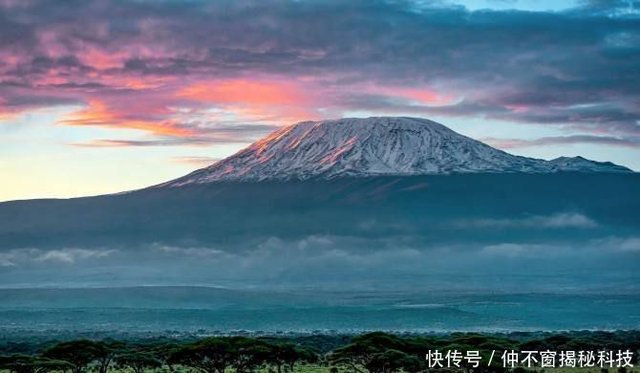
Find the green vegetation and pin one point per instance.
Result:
(371, 353)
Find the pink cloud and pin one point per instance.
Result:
(422, 96)
(248, 92)
(99, 113)
(260, 99)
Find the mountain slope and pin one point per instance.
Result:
(372, 147)
(580, 164)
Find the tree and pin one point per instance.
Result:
(279, 354)
(210, 355)
(18, 363)
(106, 352)
(78, 353)
(81, 353)
(301, 355)
(287, 354)
(138, 361)
(367, 351)
(248, 353)
(390, 361)
(161, 351)
(49, 365)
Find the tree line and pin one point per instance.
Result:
(373, 353)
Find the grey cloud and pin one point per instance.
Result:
(615, 7)
(195, 160)
(197, 252)
(505, 249)
(203, 134)
(555, 221)
(71, 255)
(323, 260)
(18, 257)
(622, 244)
(630, 244)
(630, 142)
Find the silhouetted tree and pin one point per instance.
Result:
(106, 352)
(210, 355)
(391, 361)
(162, 352)
(367, 351)
(248, 353)
(78, 353)
(18, 363)
(287, 354)
(81, 353)
(138, 361)
(303, 355)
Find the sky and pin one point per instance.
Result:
(104, 96)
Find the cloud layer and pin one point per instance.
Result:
(208, 72)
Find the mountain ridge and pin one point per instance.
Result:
(374, 146)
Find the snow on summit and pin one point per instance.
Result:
(374, 146)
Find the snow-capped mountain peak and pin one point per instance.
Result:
(374, 146)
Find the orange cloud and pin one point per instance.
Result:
(6, 115)
(97, 113)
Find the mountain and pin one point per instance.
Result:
(433, 208)
(372, 147)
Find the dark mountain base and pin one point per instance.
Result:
(432, 207)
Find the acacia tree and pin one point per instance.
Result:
(369, 351)
(49, 365)
(210, 355)
(392, 361)
(106, 351)
(161, 351)
(30, 364)
(281, 354)
(138, 361)
(17, 363)
(81, 353)
(78, 353)
(248, 353)
(287, 354)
